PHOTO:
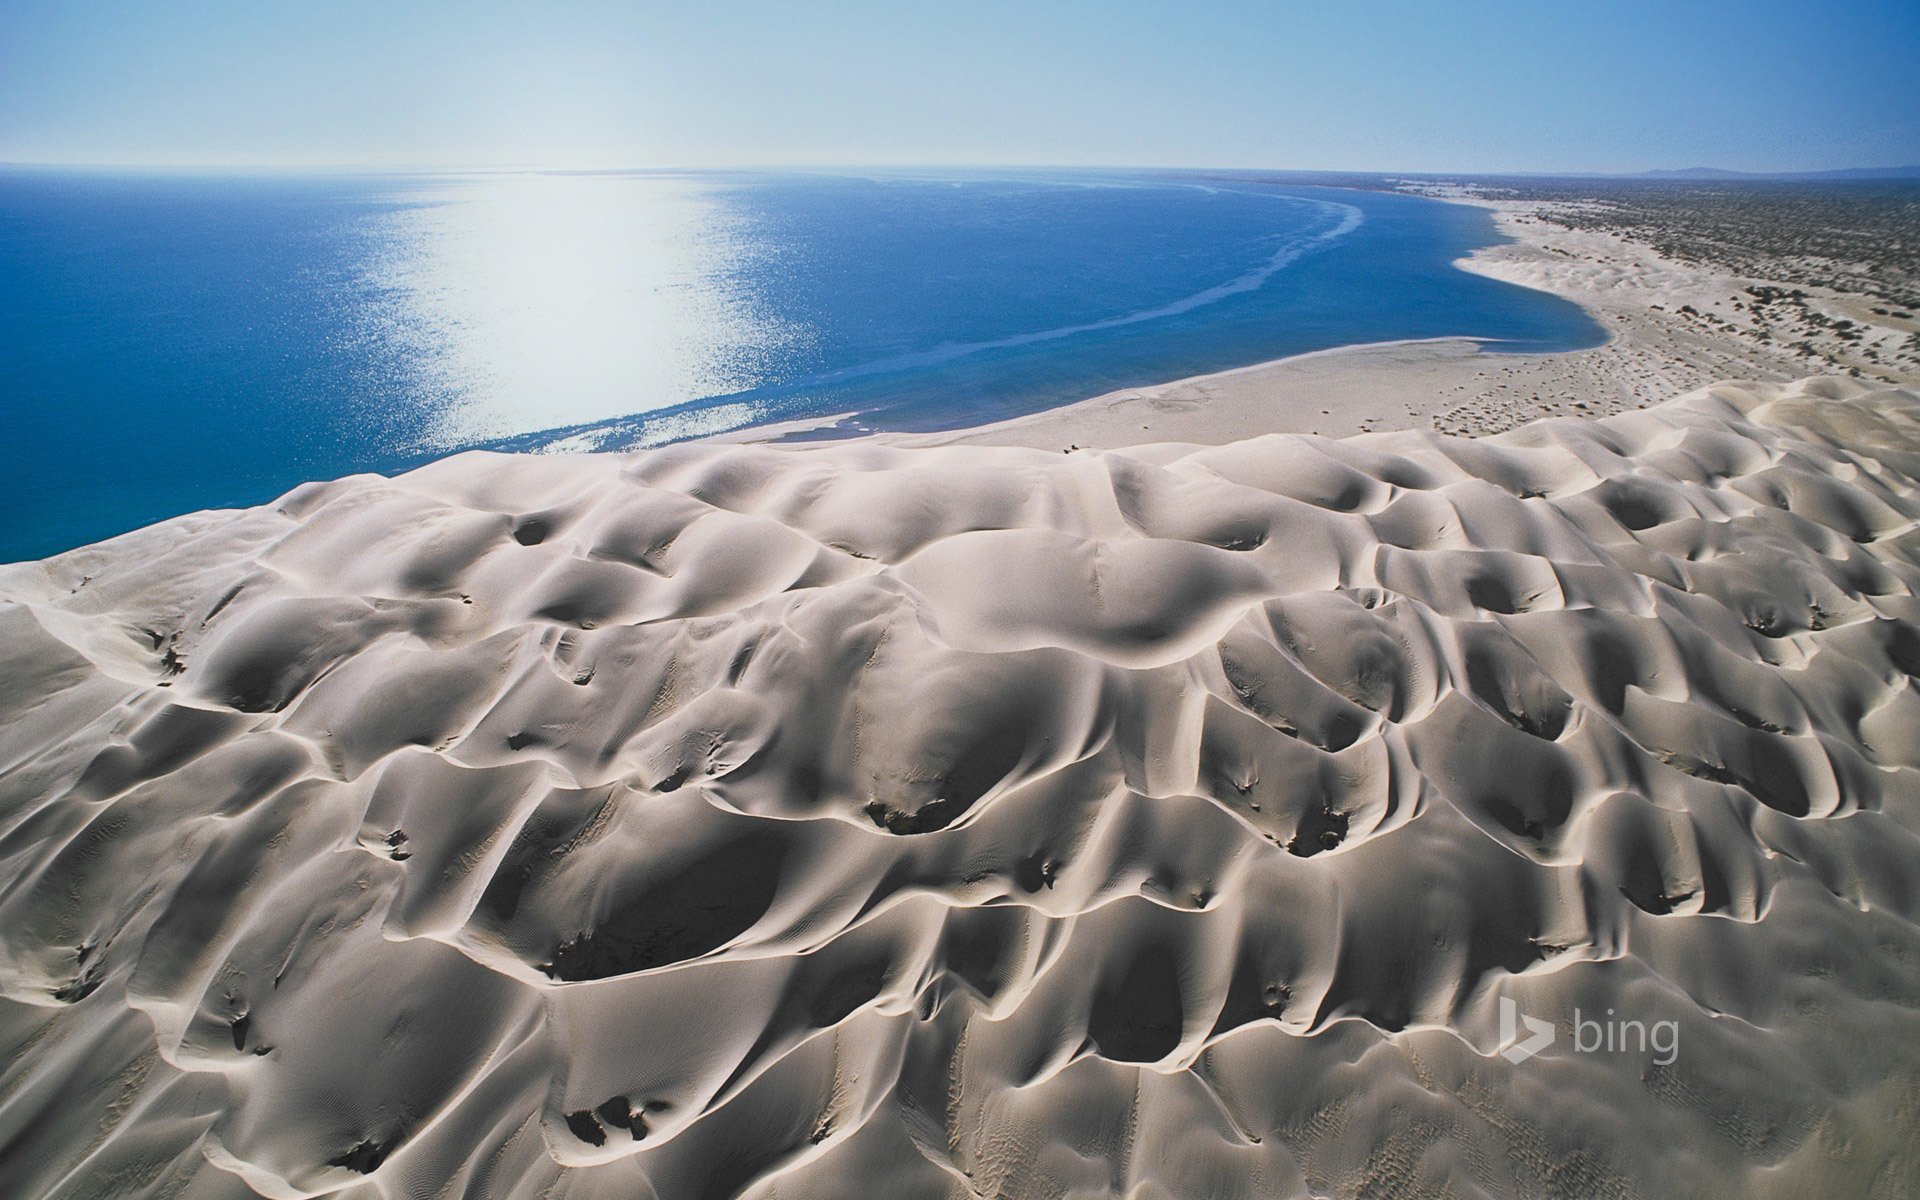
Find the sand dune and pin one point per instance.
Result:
(969, 821)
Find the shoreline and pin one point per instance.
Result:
(1672, 327)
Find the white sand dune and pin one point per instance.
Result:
(987, 822)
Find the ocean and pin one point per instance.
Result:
(172, 342)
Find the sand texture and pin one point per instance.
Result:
(982, 822)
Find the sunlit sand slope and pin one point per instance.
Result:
(986, 822)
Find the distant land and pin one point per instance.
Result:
(1843, 173)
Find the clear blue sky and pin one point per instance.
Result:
(1536, 86)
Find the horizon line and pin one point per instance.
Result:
(1705, 173)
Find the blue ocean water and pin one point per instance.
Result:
(176, 342)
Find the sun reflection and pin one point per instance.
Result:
(532, 302)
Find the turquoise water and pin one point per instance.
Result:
(169, 343)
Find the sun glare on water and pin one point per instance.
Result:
(533, 302)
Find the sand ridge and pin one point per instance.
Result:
(732, 820)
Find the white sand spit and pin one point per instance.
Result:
(971, 821)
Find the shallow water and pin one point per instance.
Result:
(169, 343)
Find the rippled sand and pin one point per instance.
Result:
(869, 821)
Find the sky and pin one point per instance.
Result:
(1470, 87)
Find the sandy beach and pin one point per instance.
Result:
(1673, 327)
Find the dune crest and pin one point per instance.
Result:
(725, 820)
